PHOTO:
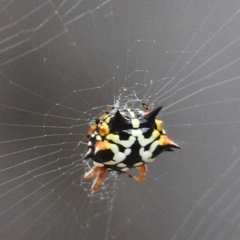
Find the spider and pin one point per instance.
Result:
(124, 139)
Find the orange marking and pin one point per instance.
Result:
(166, 141)
(104, 129)
(99, 146)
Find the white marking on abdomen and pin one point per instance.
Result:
(136, 133)
(145, 154)
(111, 162)
(137, 164)
(119, 157)
(98, 164)
(121, 165)
(127, 151)
(135, 123)
(149, 160)
(125, 143)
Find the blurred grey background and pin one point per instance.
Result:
(62, 62)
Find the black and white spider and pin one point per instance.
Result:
(123, 139)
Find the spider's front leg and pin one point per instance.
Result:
(100, 172)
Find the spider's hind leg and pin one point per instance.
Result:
(142, 173)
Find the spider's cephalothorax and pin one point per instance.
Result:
(123, 139)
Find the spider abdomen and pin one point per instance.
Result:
(127, 138)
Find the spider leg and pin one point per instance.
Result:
(142, 173)
(100, 172)
(94, 170)
(146, 108)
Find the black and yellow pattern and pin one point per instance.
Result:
(123, 139)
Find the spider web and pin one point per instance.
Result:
(63, 62)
